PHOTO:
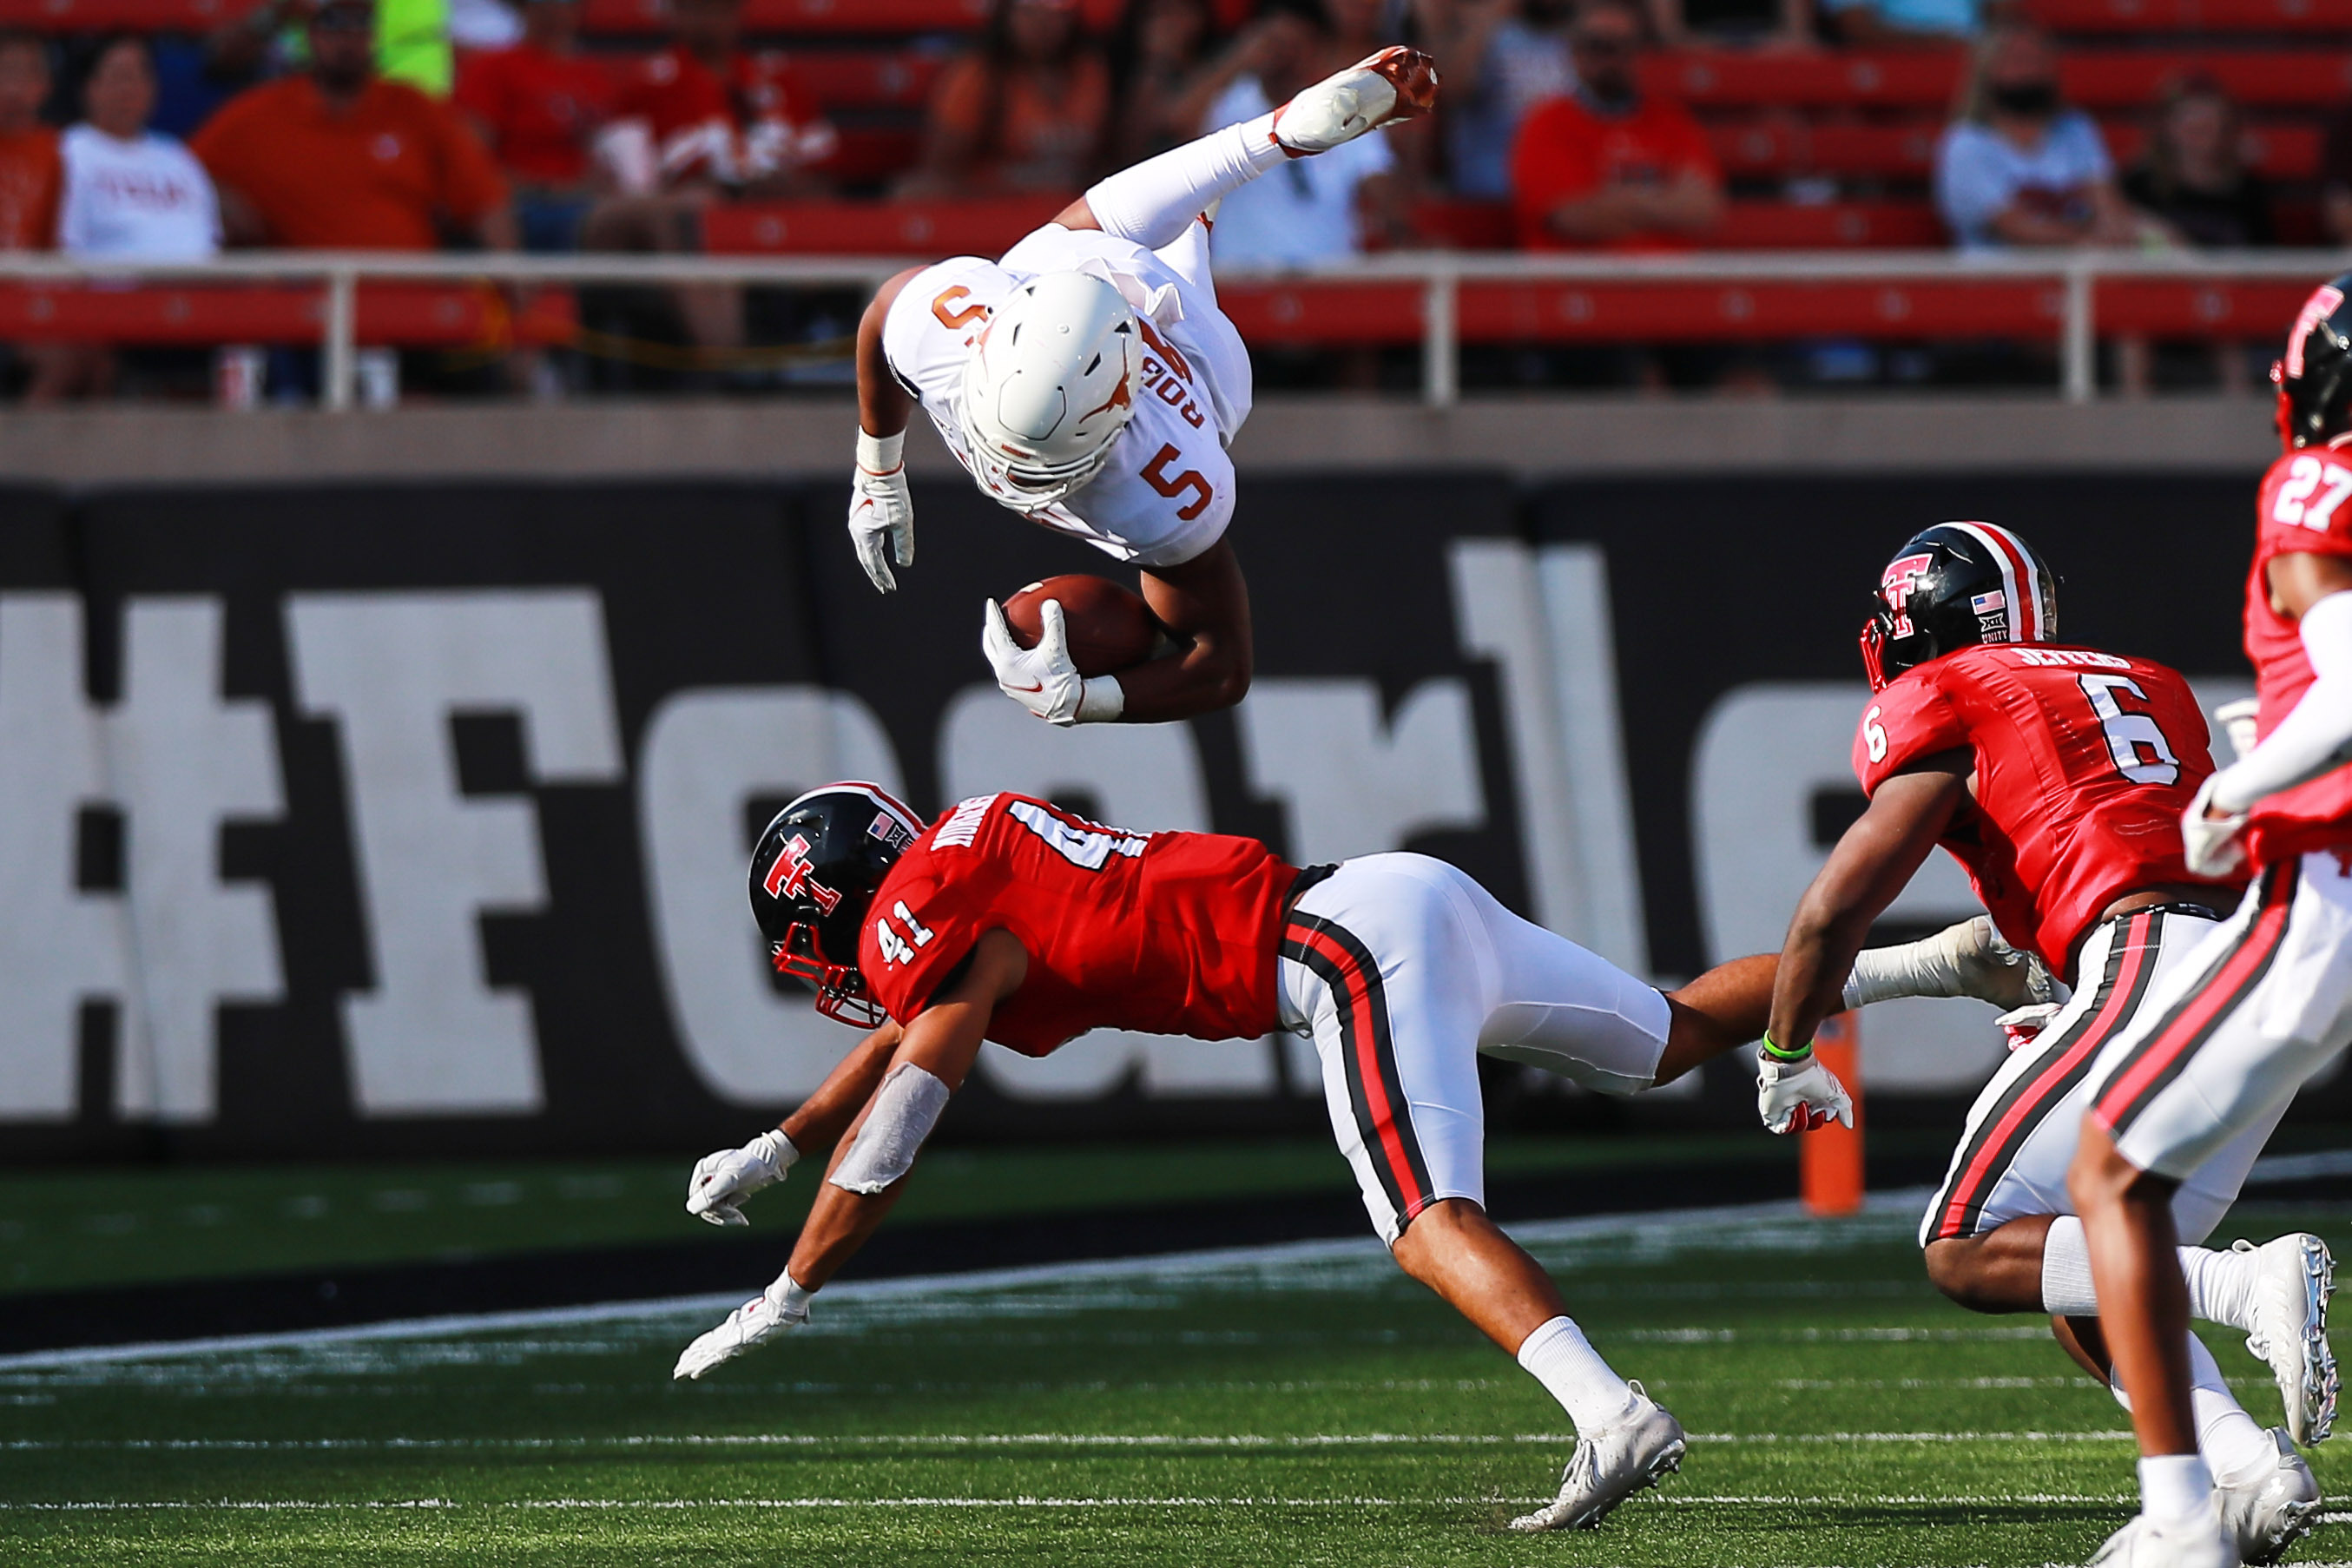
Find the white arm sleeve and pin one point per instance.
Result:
(2316, 738)
(1152, 203)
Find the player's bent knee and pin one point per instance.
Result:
(1956, 1267)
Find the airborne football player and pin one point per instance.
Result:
(2055, 775)
(1088, 382)
(1012, 921)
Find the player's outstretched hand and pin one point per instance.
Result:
(2212, 845)
(749, 1326)
(1041, 679)
(881, 508)
(1394, 85)
(1797, 1097)
(722, 1181)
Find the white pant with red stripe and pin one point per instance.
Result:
(1403, 970)
(2263, 1002)
(2013, 1159)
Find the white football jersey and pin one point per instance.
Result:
(1168, 491)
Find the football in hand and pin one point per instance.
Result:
(1111, 628)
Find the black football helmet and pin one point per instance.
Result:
(813, 877)
(2314, 379)
(1952, 585)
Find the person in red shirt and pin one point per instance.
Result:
(30, 171)
(1011, 920)
(2267, 1002)
(2055, 773)
(539, 105)
(340, 159)
(703, 120)
(1029, 109)
(1610, 167)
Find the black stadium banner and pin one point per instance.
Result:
(397, 819)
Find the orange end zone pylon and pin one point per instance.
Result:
(1829, 1160)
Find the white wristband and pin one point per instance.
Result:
(1101, 700)
(881, 454)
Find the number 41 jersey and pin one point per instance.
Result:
(1171, 934)
(2085, 761)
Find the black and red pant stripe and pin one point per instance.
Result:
(2002, 1133)
(1376, 1095)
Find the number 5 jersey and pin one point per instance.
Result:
(2085, 761)
(1170, 933)
(1168, 492)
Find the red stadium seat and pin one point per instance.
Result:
(1908, 152)
(1927, 79)
(121, 16)
(2270, 78)
(863, 78)
(988, 227)
(803, 16)
(1853, 226)
(873, 153)
(404, 315)
(2145, 17)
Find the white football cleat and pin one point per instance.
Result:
(1609, 1467)
(2273, 1510)
(1397, 84)
(2143, 1543)
(2297, 1276)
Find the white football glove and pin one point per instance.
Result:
(781, 1307)
(1968, 959)
(1042, 679)
(2211, 845)
(722, 1181)
(881, 508)
(2237, 723)
(1392, 85)
(2023, 1026)
(1797, 1097)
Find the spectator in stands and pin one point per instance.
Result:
(130, 194)
(30, 171)
(1882, 24)
(2019, 167)
(338, 158)
(2193, 178)
(703, 121)
(1499, 59)
(1610, 167)
(540, 105)
(1160, 49)
(1028, 111)
(1310, 209)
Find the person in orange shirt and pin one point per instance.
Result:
(30, 171)
(1610, 167)
(341, 158)
(1027, 111)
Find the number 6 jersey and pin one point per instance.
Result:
(1171, 934)
(1168, 492)
(2085, 761)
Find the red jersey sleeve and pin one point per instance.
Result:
(2306, 505)
(920, 926)
(1910, 719)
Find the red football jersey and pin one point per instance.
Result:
(1171, 934)
(733, 127)
(2301, 511)
(2084, 762)
(540, 109)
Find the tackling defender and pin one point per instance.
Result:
(1011, 919)
(1088, 382)
(2055, 775)
(2266, 1000)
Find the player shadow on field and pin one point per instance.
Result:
(1809, 1518)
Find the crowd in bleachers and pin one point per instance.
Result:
(1622, 125)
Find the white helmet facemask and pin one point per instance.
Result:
(1048, 388)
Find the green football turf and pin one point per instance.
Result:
(76, 1229)
(1288, 1406)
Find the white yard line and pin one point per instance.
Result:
(1681, 1225)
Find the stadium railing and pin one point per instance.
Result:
(1436, 299)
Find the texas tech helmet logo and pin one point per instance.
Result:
(790, 877)
(2323, 304)
(1898, 585)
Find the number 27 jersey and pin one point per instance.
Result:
(2085, 761)
(1170, 933)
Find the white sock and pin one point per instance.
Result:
(2175, 1488)
(2236, 1449)
(2221, 1287)
(1559, 1356)
(1151, 203)
(2066, 1270)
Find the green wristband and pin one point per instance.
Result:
(1781, 1054)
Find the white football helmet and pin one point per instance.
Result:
(1049, 387)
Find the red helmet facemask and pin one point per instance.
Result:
(840, 989)
(1873, 651)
